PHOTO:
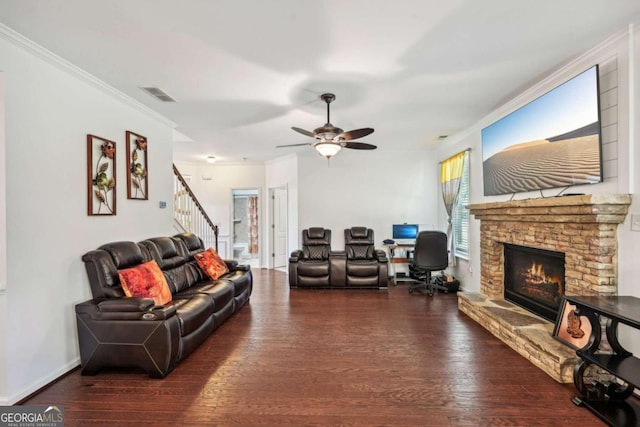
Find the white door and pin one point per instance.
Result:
(279, 227)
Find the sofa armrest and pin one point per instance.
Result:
(125, 304)
(232, 264)
(381, 255)
(148, 339)
(295, 256)
(125, 309)
(160, 312)
(338, 266)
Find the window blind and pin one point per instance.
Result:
(460, 216)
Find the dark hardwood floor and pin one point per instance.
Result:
(331, 357)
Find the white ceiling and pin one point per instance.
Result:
(245, 71)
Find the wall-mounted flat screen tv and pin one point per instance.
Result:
(553, 141)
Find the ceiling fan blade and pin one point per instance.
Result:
(355, 134)
(294, 145)
(304, 132)
(359, 146)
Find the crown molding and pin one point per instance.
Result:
(46, 55)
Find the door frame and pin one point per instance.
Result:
(232, 239)
(270, 224)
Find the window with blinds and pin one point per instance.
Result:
(460, 216)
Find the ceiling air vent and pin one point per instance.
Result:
(157, 93)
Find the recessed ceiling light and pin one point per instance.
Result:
(211, 159)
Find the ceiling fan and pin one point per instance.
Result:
(331, 139)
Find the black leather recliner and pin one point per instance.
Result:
(366, 266)
(310, 266)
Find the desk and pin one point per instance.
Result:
(403, 258)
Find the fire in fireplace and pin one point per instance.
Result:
(534, 279)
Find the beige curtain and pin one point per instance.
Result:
(450, 178)
(252, 227)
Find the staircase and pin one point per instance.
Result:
(189, 214)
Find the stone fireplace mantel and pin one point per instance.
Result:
(588, 208)
(583, 227)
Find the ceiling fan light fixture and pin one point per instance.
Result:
(327, 149)
(331, 139)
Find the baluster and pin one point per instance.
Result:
(189, 214)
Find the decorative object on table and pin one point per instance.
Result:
(571, 329)
(101, 176)
(137, 172)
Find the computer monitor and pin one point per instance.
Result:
(405, 231)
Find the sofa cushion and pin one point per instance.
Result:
(360, 252)
(165, 252)
(319, 252)
(211, 263)
(362, 268)
(124, 254)
(220, 292)
(313, 268)
(170, 255)
(145, 281)
(193, 311)
(241, 280)
(193, 244)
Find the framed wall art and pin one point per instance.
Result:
(101, 176)
(137, 172)
(571, 329)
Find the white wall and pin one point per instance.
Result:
(367, 188)
(3, 250)
(629, 241)
(50, 108)
(619, 59)
(212, 185)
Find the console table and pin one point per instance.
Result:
(611, 401)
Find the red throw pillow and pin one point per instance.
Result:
(211, 263)
(145, 281)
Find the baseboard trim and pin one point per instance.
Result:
(37, 386)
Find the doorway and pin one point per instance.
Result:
(278, 210)
(246, 226)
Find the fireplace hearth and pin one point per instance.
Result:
(534, 279)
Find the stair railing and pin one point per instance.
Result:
(189, 213)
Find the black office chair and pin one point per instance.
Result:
(430, 254)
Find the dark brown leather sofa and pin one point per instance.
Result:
(359, 266)
(117, 331)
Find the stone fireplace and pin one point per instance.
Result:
(583, 228)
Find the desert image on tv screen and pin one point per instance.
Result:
(554, 141)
